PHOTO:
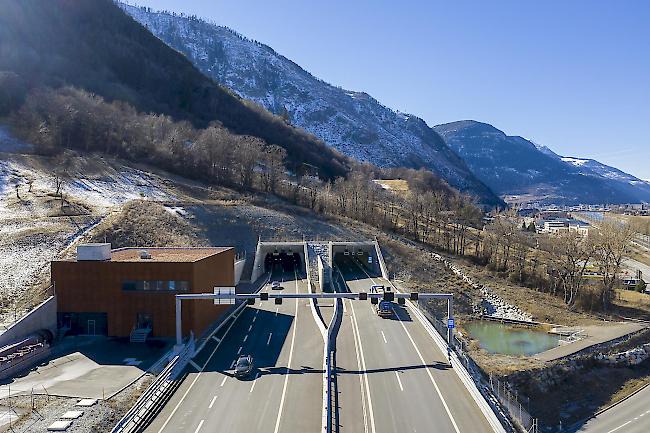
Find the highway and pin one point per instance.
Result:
(391, 375)
(629, 416)
(285, 392)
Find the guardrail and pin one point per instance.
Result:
(156, 395)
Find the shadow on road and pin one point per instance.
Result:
(437, 366)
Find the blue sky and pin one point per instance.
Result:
(572, 75)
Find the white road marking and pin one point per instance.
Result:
(199, 427)
(399, 381)
(214, 337)
(195, 365)
(254, 382)
(256, 312)
(286, 377)
(384, 337)
(435, 385)
(255, 317)
(232, 364)
(249, 328)
(197, 378)
(269, 340)
(276, 310)
(212, 401)
(224, 380)
(240, 348)
(245, 338)
(358, 346)
(619, 427)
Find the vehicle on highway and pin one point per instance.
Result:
(244, 366)
(385, 309)
(275, 285)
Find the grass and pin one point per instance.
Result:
(398, 186)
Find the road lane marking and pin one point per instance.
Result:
(255, 318)
(360, 357)
(254, 382)
(245, 338)
(212, 402)
(384, 337)
(619, 427)
(435, 385)
(269, 340)
(256, 311)
(195, 365)
(286, 377)
(240, 348)
(224, 380)
(249, 328)
(199, 427)
(276, 311)
(399, 381)
(197, 376)
(214, 337)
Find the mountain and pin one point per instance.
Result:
(524, 171)
(95, 46)
(352, 122)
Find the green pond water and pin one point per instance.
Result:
(496, 337)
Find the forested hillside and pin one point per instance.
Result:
(93, 45)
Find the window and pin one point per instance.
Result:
(155, 285)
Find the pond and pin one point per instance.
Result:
(505, 339)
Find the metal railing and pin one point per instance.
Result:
(516, 405)
(157, 394)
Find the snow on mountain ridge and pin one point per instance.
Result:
(353, 122)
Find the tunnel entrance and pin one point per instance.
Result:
(282, 260)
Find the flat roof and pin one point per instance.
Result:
(165, 254)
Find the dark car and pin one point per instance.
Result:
(244, 366)
(385, 309)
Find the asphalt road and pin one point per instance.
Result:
(285, 392)
(629, 416)
(391, 375)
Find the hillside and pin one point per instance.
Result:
(515, 167)
(94, 45)
(352, 122)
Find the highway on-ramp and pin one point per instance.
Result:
(391, 375)
(285, 392)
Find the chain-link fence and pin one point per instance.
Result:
(517, 406)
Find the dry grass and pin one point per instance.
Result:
(397, 186)
(146, 224)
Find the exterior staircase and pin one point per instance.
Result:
(139, 335)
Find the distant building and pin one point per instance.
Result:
(563, 225)
(118, 292)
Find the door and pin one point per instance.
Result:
(91, 327)
(144, 320)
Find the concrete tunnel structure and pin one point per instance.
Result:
(287, 255)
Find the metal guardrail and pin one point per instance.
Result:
(155, 396)
(511, 402)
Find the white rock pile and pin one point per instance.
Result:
(629, 357)
(490, 305)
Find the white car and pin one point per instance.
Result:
(275, 285)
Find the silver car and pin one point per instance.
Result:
(244, 366)
(275, 285)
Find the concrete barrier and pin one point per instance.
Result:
(41, 317)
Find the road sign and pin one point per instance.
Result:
(224, 291)
(450, 323)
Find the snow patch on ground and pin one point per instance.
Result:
(32, 230)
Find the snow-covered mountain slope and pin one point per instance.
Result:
(514, 166)
(352, 122)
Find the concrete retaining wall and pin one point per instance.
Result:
(239, 269)
(41, 317)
